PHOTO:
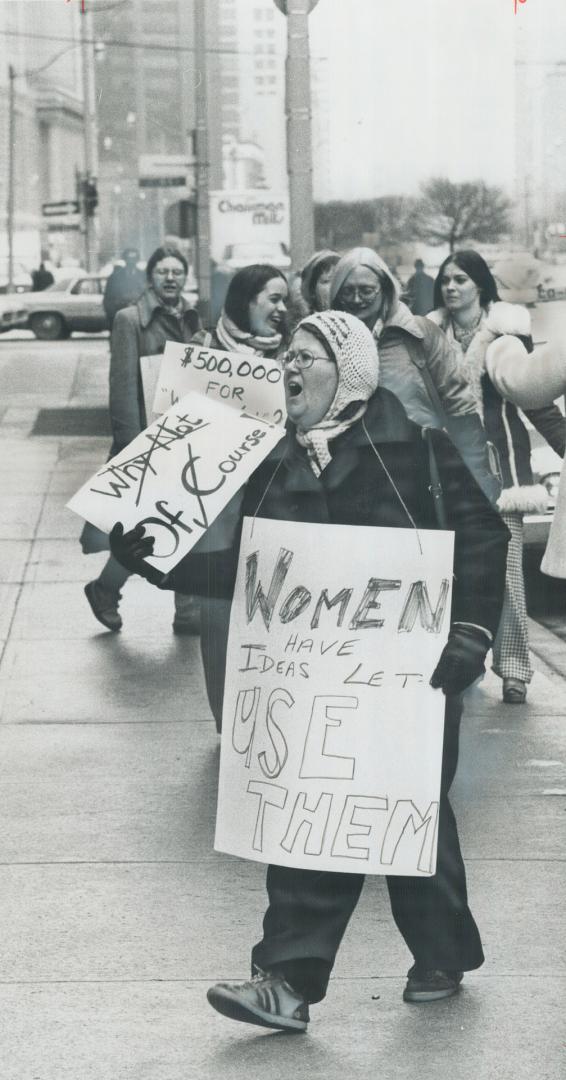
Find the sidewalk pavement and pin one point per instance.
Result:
(116, 913)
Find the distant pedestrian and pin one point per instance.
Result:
(415, 358)
(124, 286)
(253, 321)
(161, 314)
(41, 278)
(420, 290)
(468, 309)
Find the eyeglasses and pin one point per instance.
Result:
(301, 358)
(365, 292)
(169, 273)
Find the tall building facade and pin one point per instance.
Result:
(145, 79)
(48, 144)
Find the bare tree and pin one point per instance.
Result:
(451, 213)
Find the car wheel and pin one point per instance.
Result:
(49, 326)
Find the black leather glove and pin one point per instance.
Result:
(462, 659)
(131, 549)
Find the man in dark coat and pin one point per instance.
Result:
(41, 278)
(420, 290)
(124, 286)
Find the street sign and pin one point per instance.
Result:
(63, 222)
(162, 181)
(164, 170)
(57, 209)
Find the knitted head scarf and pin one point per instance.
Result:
(352, 347)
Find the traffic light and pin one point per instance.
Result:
(90, 197)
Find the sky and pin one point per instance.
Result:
(427, 87)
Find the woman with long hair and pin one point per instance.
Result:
(253, 320)
(468, 310)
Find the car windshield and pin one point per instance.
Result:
(59, 286)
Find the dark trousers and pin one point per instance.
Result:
(309, 911)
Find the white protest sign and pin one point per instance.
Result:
(150, 367)
(177, 475)
(332, 736)
(240, 380)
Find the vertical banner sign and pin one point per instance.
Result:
(332, 736)
(177, 475)
(239, 380)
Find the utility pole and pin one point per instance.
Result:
(11, 174)
(90, 140)
(299, 134)
(202, 164)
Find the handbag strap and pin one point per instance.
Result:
(435, 481)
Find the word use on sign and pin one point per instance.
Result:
(177, 475)
(332, 735)
(239, 380)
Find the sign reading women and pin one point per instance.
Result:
(332, 736)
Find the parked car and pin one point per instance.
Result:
(546, 466)
(70, 304)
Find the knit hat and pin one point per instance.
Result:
(354, 351)
(353, 348)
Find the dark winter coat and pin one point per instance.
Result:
(354, 490)
(140, 330)
(123, 288)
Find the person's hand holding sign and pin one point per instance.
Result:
(131, 550)
(462, 659)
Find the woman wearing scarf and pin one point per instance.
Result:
(416, 361)
(469, 311)
(253, 321)
(253, 317)
(351, 456)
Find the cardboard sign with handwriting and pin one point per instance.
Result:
(177, 475)
(332, 735)
(239, 380)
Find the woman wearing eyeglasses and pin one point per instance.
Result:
(161, 314)
(350, 456)
(253, 320)
(416, 361)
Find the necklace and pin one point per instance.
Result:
(465, 334)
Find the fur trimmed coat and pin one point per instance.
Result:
(504, 425)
